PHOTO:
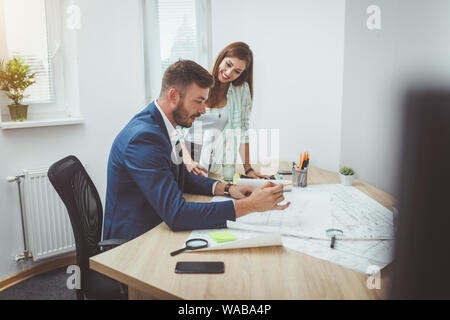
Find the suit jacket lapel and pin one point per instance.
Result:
(178, 169)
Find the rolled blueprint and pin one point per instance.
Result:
(260, 182)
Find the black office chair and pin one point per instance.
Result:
(82, 201)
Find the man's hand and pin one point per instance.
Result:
(240, 192)
(268, 196)
(237, 192)
(262, 199)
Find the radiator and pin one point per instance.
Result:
(47, 225)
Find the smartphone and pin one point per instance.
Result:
(200, 267)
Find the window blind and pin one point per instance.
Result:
(178, 31)
(26, 37)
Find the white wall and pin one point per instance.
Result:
(298, 48)
(412, 46)
(111, 92)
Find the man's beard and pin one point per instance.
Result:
(181, 116)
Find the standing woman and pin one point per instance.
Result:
(228, 107)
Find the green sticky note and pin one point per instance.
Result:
(222, 236)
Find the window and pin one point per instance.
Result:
(29, 42)
(173, 30)
(33, 30)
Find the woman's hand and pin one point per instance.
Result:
(196, 168)
(190, 164)
(256, 175)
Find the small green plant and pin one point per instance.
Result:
(346, 171)
(15, 78)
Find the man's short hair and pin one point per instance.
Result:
(182, 74)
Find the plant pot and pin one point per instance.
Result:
(18, 112)
(346, 180)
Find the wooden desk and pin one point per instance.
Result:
(145, 265)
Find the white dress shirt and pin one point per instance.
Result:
(174, 137)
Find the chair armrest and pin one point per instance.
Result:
(110, 243)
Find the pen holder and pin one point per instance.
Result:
(300, 177)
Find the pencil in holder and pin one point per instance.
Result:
(300, 177)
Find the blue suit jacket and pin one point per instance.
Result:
(145, 186)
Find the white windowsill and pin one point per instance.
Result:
(40, 123)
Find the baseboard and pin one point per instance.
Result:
(43, 267)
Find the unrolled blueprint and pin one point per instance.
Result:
(317, 208)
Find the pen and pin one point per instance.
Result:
(284, 185)
(302, 166)
(300, 162)
(306, 161)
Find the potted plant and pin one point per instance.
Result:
(15, 78)
(347, 176)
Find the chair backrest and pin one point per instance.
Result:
(83, 204)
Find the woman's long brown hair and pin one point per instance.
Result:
(238, 50)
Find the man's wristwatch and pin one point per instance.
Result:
(227, 189)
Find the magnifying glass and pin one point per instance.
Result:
(191, 244)
(332, 234)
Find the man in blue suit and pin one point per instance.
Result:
(146, 174)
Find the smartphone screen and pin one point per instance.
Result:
(200, 267)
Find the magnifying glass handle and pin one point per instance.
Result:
(178, 251)
(333, 240)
